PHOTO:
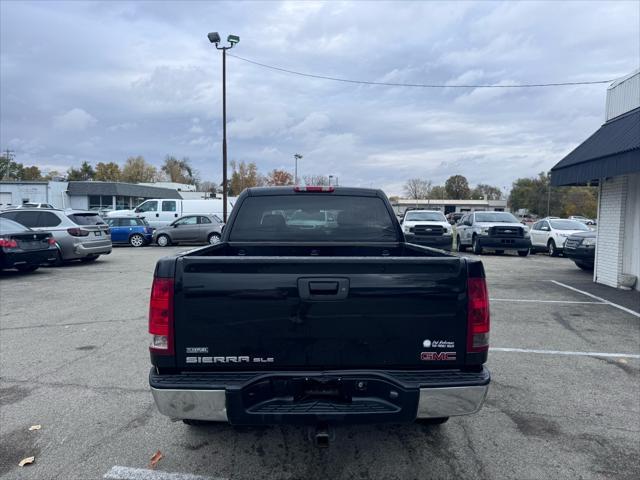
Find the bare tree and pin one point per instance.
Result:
(417, 188)
(316, 180)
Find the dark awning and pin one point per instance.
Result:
(614, 149)
(120, 189)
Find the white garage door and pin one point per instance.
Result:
(5, 199)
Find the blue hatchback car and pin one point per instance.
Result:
(132, 230)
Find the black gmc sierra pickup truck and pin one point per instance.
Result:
(329, 318)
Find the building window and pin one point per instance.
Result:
(122, 203)
(100, 201)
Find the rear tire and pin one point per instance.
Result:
(475, 245)
(432, 421)
(523, 253)
(551, 247)
(461, 248)
(163, 240)
(26, 268)
(136, 240)
(59, 261)
(214, 238)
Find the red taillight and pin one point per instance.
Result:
(52, 241)
(8, 243)
(161, 316)
(77, 232)
(314, 189)
(477, 315)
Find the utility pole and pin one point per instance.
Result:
(297, 157)
(214, 37)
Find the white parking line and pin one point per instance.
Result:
(126, 473)
(624, 309)
(546, 301)
(564, 352)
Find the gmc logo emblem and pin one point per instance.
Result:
(437, 356)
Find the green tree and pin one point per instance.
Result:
(137, 170)
(84, 173)
(179, 171)
(438, 193)
(9, 168)
(417, 188)
(51, 175)
(457, 188)
(108, 172)
(245, 175)
(580, 201)
(31, 173)
(536, 195)
(482, 190)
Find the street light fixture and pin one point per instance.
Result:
(214, 38)
(297, 157)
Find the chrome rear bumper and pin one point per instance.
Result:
(211, 404)
(451, 401)
(192, 404)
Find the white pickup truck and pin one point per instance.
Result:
(161, 212)
(427, 227)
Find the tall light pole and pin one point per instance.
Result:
(232, 39)
(297, 157)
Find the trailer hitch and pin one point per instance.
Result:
(321, 435)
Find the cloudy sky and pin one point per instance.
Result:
(104, 81)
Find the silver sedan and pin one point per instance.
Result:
(190, 229)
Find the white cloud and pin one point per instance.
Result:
(74, 119)
(119, 127)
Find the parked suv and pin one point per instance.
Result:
(581, 248)
(499, 231)
(550, 234)
(427, 227)
(80, 235)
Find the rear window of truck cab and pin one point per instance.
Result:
(313, 218)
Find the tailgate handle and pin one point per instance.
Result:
(323, 288)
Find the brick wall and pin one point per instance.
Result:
(611, 220)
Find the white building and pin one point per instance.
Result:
(449, 206)
(81, 195)
(610, 158)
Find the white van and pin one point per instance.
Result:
(162, 211)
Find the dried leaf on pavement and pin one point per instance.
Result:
(155, 459)
(35, 427)
(26, 461)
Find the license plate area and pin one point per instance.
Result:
(34, 245)
(309, 399)
(98, 234)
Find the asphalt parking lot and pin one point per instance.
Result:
(73, 351)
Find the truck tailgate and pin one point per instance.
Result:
(235, 313)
